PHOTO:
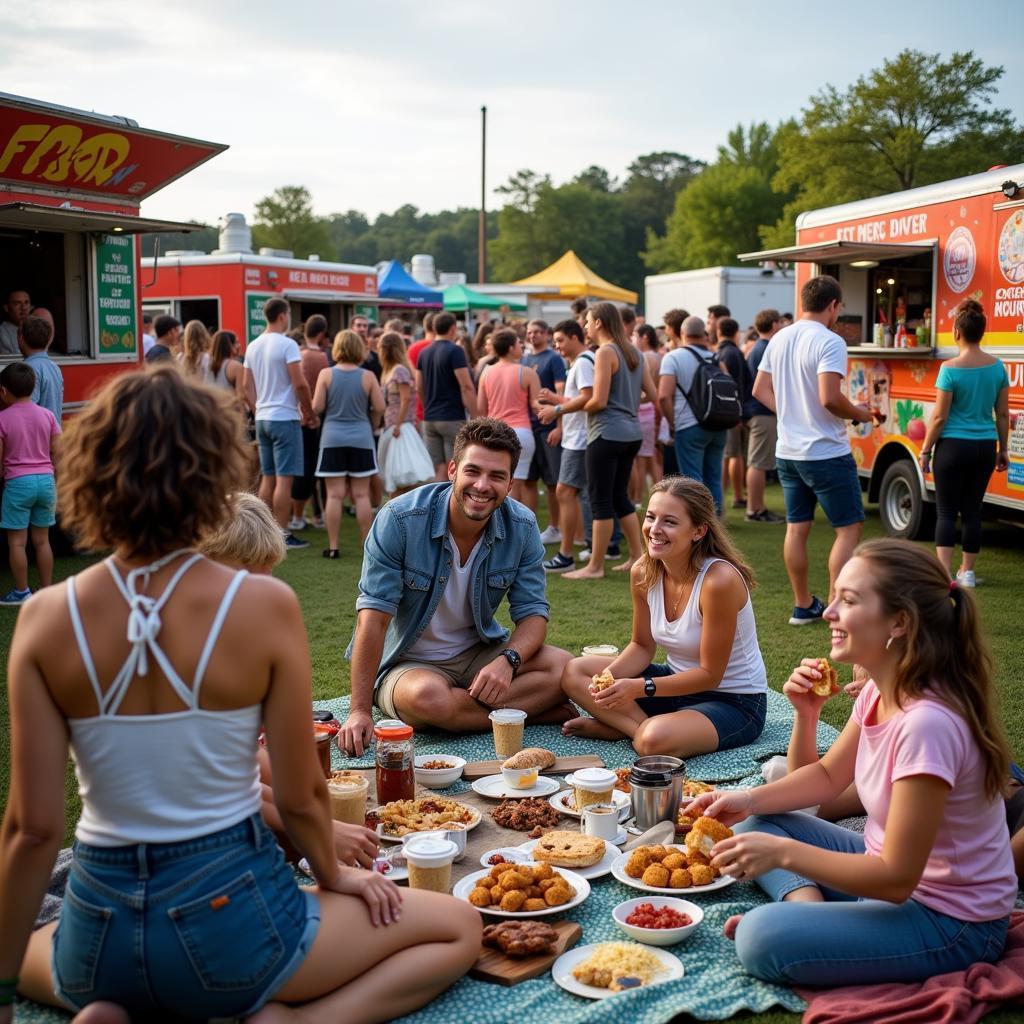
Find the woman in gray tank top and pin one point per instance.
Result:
(350, 403)
(621, 377)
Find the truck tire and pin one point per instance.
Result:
(903, 509)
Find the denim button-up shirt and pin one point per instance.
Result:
(407, 562)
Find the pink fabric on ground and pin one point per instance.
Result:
(960, 997)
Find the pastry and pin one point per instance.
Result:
(569, 849)
(827, 684)
(601, 681)
(531, 757)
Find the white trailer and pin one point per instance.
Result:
(745, 290)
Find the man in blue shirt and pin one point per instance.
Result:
(438, 562)
(34, 339)
(762, 424)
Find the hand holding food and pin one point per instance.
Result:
(827, 685)
(750, 854)
(727, 805)
(601, 681)
(810, 685)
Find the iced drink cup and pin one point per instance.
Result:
(430, 862)
(508, 731)
(347, 791)
(592, 786)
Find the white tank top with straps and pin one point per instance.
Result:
(745, 672)
(160, 778)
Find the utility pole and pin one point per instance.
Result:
(482, 227)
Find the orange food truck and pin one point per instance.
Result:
(71, 182)
(905, 261)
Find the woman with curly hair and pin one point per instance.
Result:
(195, 352)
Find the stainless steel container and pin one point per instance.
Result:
(656, 784)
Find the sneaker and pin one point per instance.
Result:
(293, 543)
(764, 516)
(610, 555)
(318, 524)
(805, 616)
(560, 563)
(14, 598)
(551, 535)
(966, 578)
(297, 523)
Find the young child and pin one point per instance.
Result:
(28, 443)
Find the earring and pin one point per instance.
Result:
(888, 643)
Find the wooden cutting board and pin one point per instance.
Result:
(563, 765)
(499, 969)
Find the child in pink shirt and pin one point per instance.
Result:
(928, 888)
(28, 439)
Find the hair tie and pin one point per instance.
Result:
(953, 587)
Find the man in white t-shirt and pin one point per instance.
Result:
(800, 377)
(277, 391)
(571, 344)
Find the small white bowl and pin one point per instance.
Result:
(658, 936)
(520, 778)
(438, 778)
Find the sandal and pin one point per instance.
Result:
(331, 553)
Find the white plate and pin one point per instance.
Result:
(619, 873)
(621, 800)
(508, 852)
(475, 820)
(465, 885)
(598, 870)
(396, 874)
(561, 971)
(494, 787)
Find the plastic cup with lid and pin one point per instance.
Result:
(592, 786)
(430, 858)
(508, 724)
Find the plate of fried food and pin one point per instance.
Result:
(588, 856)
(604, 969)
(669, 869)
(522, 890)
(426, 814)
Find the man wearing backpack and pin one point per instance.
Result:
(701, 401)
(734, 467)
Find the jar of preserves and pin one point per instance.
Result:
(396, 774)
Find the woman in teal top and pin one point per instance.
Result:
(969, 429)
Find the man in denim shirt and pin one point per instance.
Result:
(436, 566)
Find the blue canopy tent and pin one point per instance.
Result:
(395, 287)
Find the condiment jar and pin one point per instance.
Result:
(396, 772)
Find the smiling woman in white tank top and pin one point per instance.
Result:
(691, 597)
(157, 667)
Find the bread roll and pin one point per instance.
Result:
(531, 757)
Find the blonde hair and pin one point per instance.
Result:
(250, 538)
(392, 351)
(715, 543)
(348, 348)
(195, 345)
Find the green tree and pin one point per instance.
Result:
(285, 220)
(915, 120)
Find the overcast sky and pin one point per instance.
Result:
(377, 104)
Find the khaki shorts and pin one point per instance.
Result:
(761, 448)
(736, 442)
(460, 672)
(439, 437)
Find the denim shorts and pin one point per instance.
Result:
(738, 718)
(209, 927)
(29, 499)
(833, 482)
(280, 444)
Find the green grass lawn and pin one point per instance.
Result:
(599, 611)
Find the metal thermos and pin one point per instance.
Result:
(656, 784)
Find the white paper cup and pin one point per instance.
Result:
(602, 821)
(430, 862)
(508, 724)
(592, 786)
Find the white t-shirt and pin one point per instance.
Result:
(574, 424)
(268, 358)
(451, 630)
(148, 341)
(794, 357)
(681, 365)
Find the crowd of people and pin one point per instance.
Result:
(179, 898)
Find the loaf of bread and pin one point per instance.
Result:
(531, 757)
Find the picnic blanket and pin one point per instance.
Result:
(714, 987)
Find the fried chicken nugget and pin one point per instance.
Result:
(656, 853)
(558, 894)
(535, 903)
(541, 872)
(496, 893)
(656, 875)
(534, 892)
(697, 857)
(680, 879)
(480, 897)
(638, 863)
(674, 860)
(545, 883)
(513, 880)
(702, 874)
(498, 870)
(513, 900)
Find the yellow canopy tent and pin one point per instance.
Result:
(574, 278)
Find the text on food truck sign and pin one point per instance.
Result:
(885, 229)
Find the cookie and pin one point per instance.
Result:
(569, 849)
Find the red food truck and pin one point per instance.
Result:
(905, 261)
(71, 182)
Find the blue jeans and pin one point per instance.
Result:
(699, 453)
(210, 927)
(846, 940)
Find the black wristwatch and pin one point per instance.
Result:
(514, 658)
(649, 688)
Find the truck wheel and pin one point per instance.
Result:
(904, 511)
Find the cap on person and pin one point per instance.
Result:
(694, 327)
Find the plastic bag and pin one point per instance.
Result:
(403, 460)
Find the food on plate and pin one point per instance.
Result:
(675, 859)
(646, 915)
(569, 849)
(496, 858)
(428, 814)
(692, 788)
(618, 966)
(531, 757)
(670, 867)
(656, 875)
(434, 766)
(602, 681)
(702, 874)
(705, 833)
(523, 815)
(521, 938)
(683, 823)
(697, 857)
(680, 878)
(622, 780)
(521, 888)
(539, 830)
(828, 683)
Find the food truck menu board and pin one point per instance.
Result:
(115, 295)
(254, 314)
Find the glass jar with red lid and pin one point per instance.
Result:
(396, 774)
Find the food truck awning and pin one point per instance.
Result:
(62, 218)
(840, 251)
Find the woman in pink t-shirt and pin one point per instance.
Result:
(929, 886)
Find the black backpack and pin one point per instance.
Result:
(714, 396)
